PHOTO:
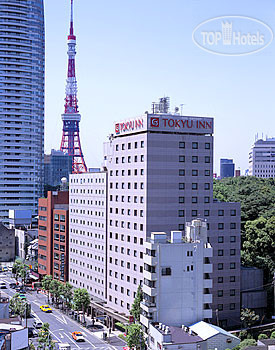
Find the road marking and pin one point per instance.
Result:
(72, 340)
(61, 335)
(36, 303)
(56, 336)
(90, 343)
(60, 320)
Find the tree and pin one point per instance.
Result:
(81, 300)
(55, 290)
(46, 281)
(247, 342)
(272, 335)
(45, 341)
(249, 317)
(17, 266)
(19, 307)
(135, 337)
(67, 294)
(136, 309)
(262, 336)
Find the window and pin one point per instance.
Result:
(220, 266)
(181, 227)
(232, 292)
(195, 172)
(194, 199)
(232, 306)
(221, 212)
(232, 251)
(207, 186)
(56, 217)
(195, 145)
(220, 293)
(206, 199)
(181, 186)
(181, 172)
(220, 307)
(220, 226)
(182, 159)
(206, 213)
(207, 172)
(194, 213)
(220, 239)
(233, 212)
(220, 279)
(220, 252)
(181, 144)
(232, 239)
(142, 144)
(166, 271)
(207, 145)
(181, 213)
(195, 159)
(142, 158)
(181, 199)
(129, 145)
(232, 266)
(207, 159)
(194, 186)
(233, 225)
(232, 278)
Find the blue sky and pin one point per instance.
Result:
(130, 52)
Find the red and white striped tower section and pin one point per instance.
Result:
(70, 143)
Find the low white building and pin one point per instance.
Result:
(172, 338)
(216, 337)
(177, 279)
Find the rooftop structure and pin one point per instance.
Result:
(262, 158)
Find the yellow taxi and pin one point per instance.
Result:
(46, 308)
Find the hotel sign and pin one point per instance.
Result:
(168, 123)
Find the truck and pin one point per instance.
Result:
(64, 346)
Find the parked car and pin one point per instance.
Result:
(37, 323)
(12, 285)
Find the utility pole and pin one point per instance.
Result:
(274, 294)
(217, 317)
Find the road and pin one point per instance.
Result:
(61, 325)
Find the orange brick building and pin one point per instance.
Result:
(53, 235)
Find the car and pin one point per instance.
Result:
(32, 333)
(46, 308)
(78, 336)
(2, 285)
(12, 285)
(37, 323)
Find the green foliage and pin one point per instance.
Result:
(259, 243)
(45, 341)
(19, 307)
(20, 270)
(81, 299)
(55, 289)
(249, 317)
(243, 335)
(66, 291)
(135, 337)
(262, 336)
(256, 195)
(120, 326)
(247, 342)
(46, 281)
(136, 309)
(272, 335)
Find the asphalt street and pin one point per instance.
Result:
(61, 325)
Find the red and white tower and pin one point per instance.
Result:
(70, 143)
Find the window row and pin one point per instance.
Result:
(129, 159)
(129, 172)
(195, 145)
(130, 145)
(195, 159)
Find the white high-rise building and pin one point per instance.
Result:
(262, 158)
(21, 104)
(177, 283)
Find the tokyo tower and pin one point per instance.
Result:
(70, 143)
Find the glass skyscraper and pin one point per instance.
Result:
(22, 56)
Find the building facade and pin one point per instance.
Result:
(7, 243)
(227, 168)
(22, 104)
(88, 239)
(57, 165)
(262, 158)
(160, 170)
(177, 283)
(53, 235)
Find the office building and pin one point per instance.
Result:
(53, 235)
(262, 158)
(22, 105)
(177, 283)
(88, 240)
(7, 243)
(57, 165)
(227, 168)
(160, 176)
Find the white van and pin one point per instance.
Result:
(37, 323)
